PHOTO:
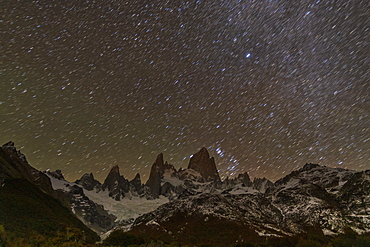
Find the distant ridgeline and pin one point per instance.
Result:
(187, 206)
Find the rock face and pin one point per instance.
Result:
(202, 163)
(354, 198)
(92, 214)
(244, 178)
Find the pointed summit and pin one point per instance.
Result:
(159, 161)
(202, 163)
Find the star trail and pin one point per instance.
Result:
(266, 86)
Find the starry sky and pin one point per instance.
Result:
(266, 86)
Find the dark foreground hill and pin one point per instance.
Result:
(30, 214)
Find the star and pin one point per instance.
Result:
(266, 86)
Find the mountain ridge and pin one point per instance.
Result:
(314, 196)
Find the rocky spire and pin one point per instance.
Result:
(202, 163)
(116, 184)
(112, 177)
(156, 173)
(159, 161)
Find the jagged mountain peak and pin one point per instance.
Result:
(120, 187)
(87, 176)
(203, 150)
(136, 180)
(88, 182)
(113, 174)
(206, 166)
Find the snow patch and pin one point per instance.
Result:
(292, 183)
(153, 222)
(242, 190)
(126, 208)
(328, 232)
(59, 184)
(172, 180)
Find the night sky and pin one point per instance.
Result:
(266, 86)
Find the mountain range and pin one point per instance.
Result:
(193, 205)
